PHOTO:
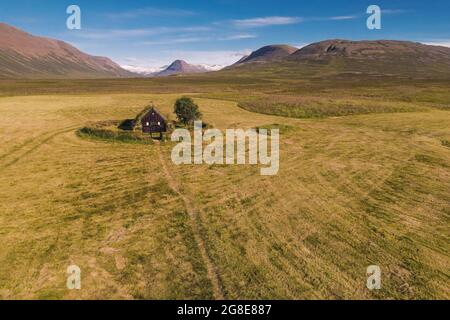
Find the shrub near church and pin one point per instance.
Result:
(186, 110)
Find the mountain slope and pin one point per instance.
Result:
(23, 55)
(181, 67)
(378, 57)
(268, 53)
(376, 50)
(346, 58)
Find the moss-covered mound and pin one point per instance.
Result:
(108, 131)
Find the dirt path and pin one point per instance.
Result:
(193, 214)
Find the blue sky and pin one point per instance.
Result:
(154, 33)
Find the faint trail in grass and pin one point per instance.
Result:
(16, 148)
(35, 146)
(193, 214)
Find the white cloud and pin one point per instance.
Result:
(337, 18)
(126, 33)
(442, 43)
(238, 37)
(169, 41)
(334, 18)
(266, 21)
(272, 21)
(214, 67)
(174, 41)
(219, 57)
(149, 12)
(141, 69)
(393, 11)
(215, 59)
(300, 45)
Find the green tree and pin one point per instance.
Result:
(186, 110)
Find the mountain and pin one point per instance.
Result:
(268, 53)
(181, 67)
(379, 58)
(241, 59)
(374, 50)
(177, 67)
(23, 55)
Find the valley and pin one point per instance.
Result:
(350, 192)
(363, 175)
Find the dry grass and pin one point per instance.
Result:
(323, 106)
(352, 191)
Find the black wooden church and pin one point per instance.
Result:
(153, 122)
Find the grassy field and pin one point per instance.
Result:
(351, 191)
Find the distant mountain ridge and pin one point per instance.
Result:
(23, 55)
(181, 67)
(176, 67)
(333, 57)
(370, 49)
(268, 53)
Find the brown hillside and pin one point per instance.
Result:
(372, 50)
(268, 53)
(24, 55)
